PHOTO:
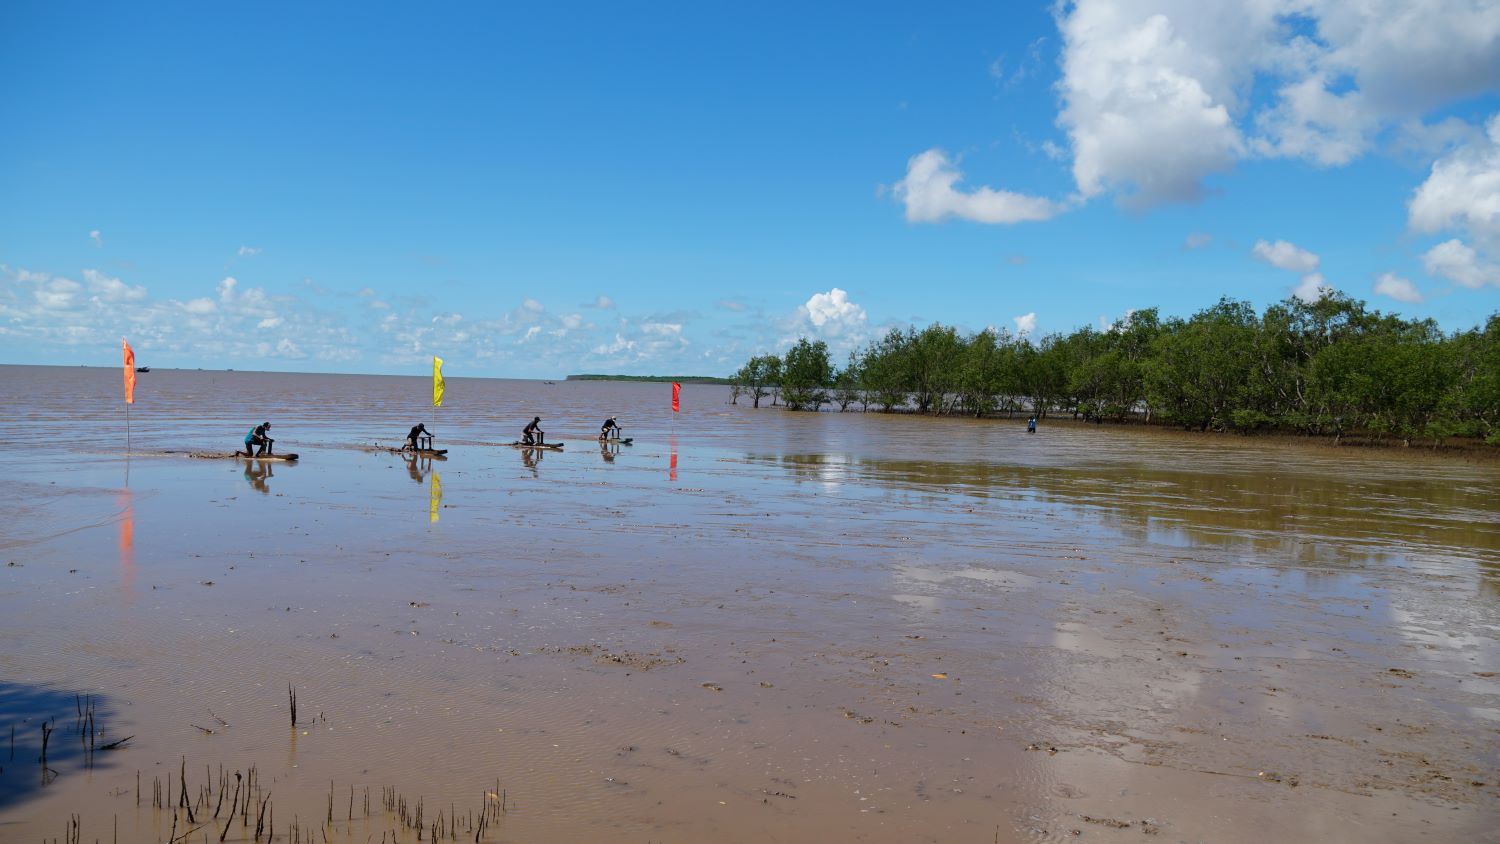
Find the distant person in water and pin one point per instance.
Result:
(414, 439)
(532, 434)
(259, 436)
(1031, 425)
(610, 428)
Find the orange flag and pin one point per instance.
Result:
(676, 397)
(129, 372)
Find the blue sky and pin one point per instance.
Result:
(537, 191)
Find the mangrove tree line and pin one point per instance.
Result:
(1330, 367)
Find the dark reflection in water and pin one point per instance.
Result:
(1280, 514)
(258, 472)
(78, 736)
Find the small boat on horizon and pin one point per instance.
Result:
(143, 369)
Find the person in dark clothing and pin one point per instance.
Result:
(611, 428)
(532, 434)
(259, 436)
(1031, 425)
(414, 439)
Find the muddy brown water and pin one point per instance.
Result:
(749, 625)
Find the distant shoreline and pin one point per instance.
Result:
(681, 379)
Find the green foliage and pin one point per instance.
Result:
(806, 375)
(1328, 367)
(758, 376)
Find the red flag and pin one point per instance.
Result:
(676, 397)
(129, 372)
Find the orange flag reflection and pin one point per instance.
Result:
(127, 543)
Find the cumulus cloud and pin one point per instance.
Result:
(1461, 264)
(96, 238)
(1025, 324)
(832, 314)
(1312, 288)
(1285, 256)
(1398, 288)
(533, 305)
(1156, 96)
(1462, 191)
(603, 303)
(110, 289)
(930, 196)
(247, 251)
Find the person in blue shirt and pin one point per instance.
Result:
(260, 436)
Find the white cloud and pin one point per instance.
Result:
(1285, 256)
(1398, 288)
(1312, 288)
(1147, 90)
(730, 305)
(930, 196)
(96, 238)
(531, 332)
(1156, 96)
(1025, 324)
(247, 251)
(662, 329)
(365, 292)
(1459, 263)
(833, 314)
(533, 305)
(109, 289)
(619, 345)
(572, 321)
(1463, 191)
(1197, 240)
(57, 294)
(603, 303)
(45, 311)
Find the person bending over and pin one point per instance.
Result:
(414, 439)
(611, 428)
(533, 434)
(259, 436)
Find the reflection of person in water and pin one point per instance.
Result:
(411, 469)
(256, 472)
(530, 457)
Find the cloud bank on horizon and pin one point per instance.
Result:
(1156, 156)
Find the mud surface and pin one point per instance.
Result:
(746, 626)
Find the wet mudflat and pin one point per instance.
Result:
(748, 626)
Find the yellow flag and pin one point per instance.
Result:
(437, 382)
(437, 498)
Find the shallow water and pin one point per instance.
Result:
(748, 625)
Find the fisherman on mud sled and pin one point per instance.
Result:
(533, 434)
(420, 439)
(260, 436)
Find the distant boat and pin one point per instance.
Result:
(143, 369)
(553, 383)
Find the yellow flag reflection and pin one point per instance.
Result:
(436, 498)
